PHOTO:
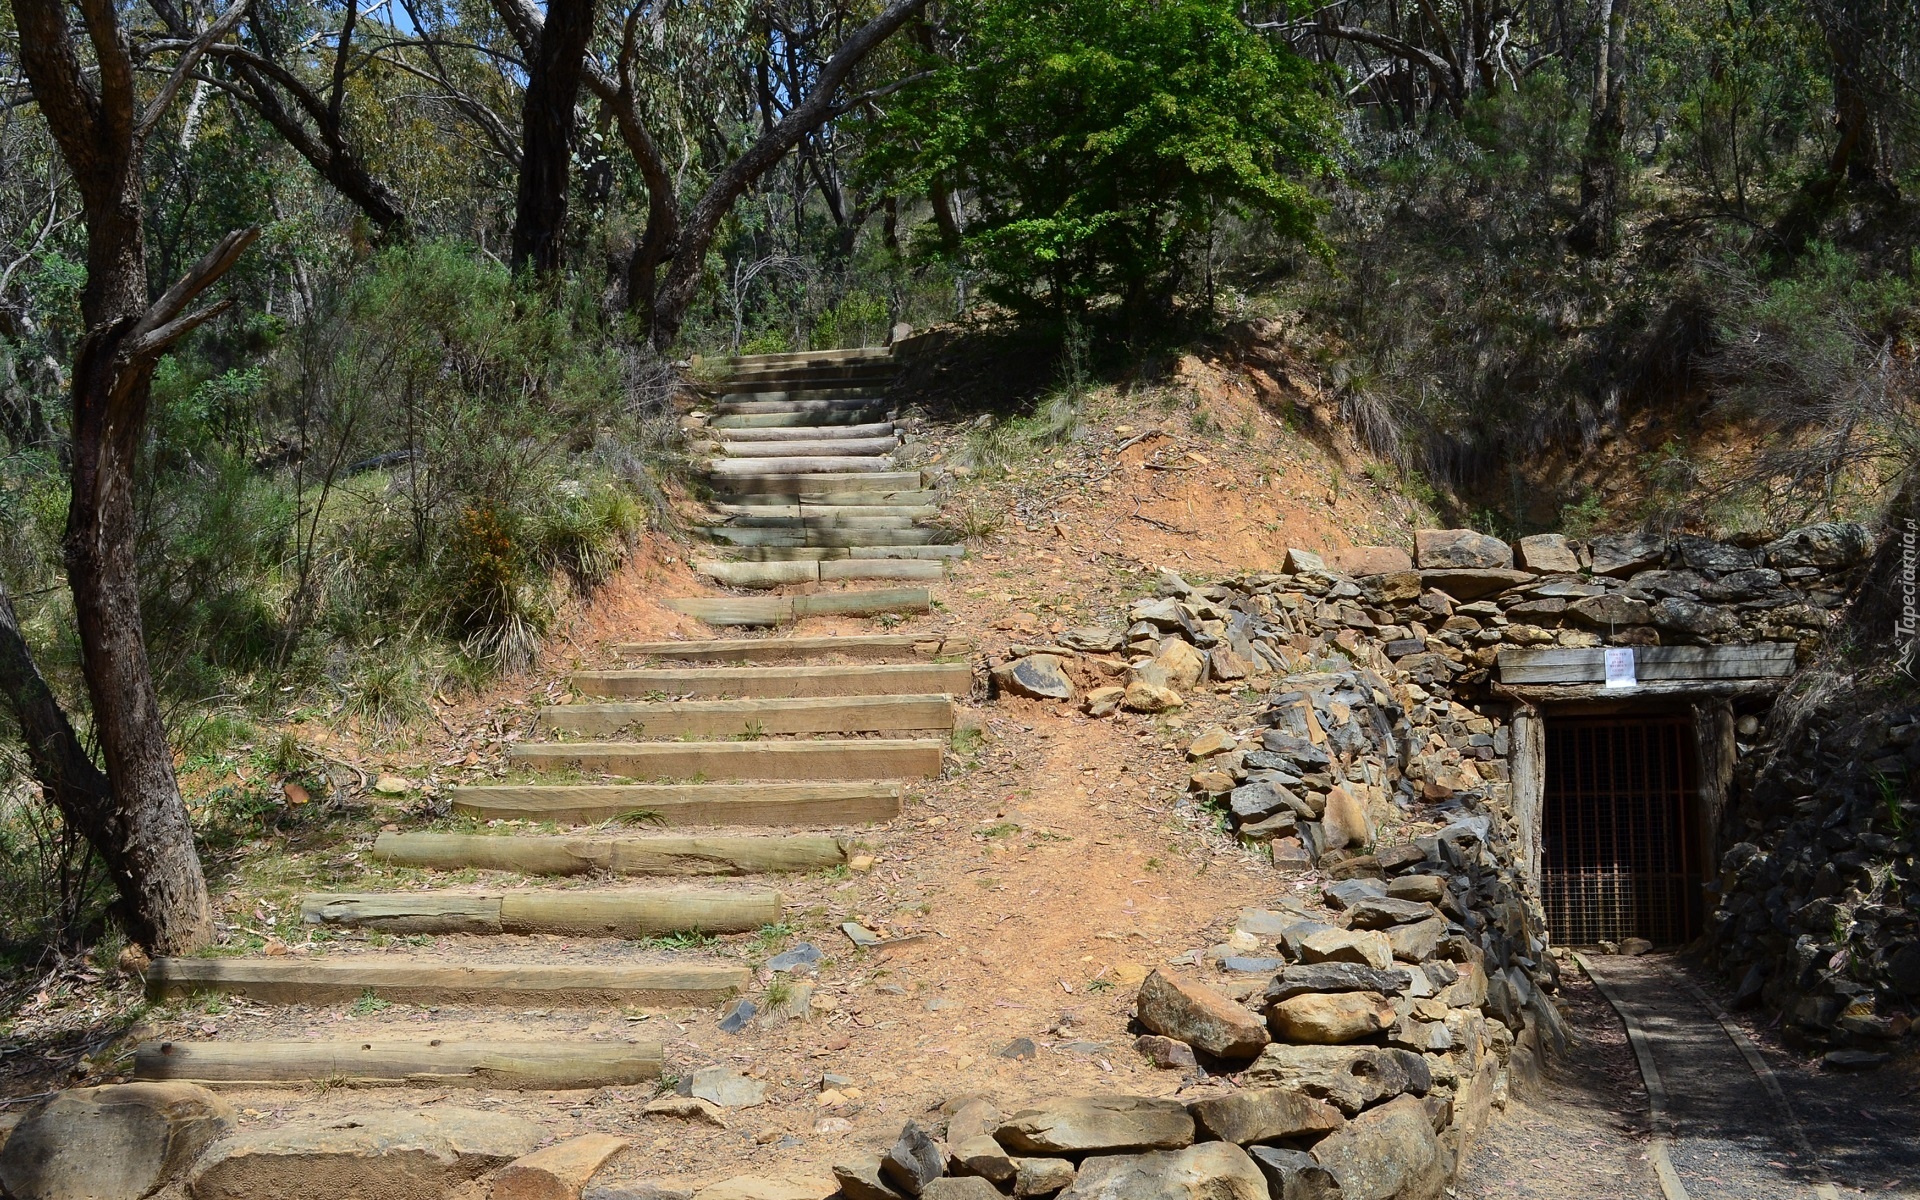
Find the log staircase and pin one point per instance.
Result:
(814, 734)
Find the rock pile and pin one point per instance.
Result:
(1815, 913)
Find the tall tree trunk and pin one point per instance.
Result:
(96, 117)
(553, 82)
(1596, 231)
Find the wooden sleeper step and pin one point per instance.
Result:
(820, 485)
(715, 683)
(706, 854)
(806, 498)
(622, 914)
(812, 447)
(779, 574)
(800, 465)
(734, 718)
(778, 610)
(782, 434)
(837, 553)
(545, 1066)
(786, 649)
(670, 804)
(877, 758)
(348, 977)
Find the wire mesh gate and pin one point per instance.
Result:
(1617, 837)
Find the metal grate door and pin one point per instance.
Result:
(1617, 838)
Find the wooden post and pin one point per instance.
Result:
(1714, 743)
(1528, 770)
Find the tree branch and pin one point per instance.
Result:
(189, 59)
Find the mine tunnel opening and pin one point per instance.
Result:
(1622, 846)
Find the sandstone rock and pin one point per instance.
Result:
(1417, 942)
(688, 1108)
(973, 1117)
(1039, 676)
(1705, 554)
(556, 1172)
(1610, 612)
(1105, 701)
(1344, 823)
(1364, 561)
(640, 1189)
(1433, 548)
(725, 1087)
(1209, 1171)
(1686, 616)
(1348, 1077)
(1094, 639)
(770, 1187)
(1293, 1175)
(1098, 1125)
(1263, 1115)
(861, 1179)
(915, 1160)
(1417, 887)
(1210, 782)
(1184, 665)
(1258, 800)
(1279, 825)
(1388, 1153)
(1299, 561)
(1346, 945)
(1548, 554)
(120, 1142)
(1141, 696)
(1346, 893)
(403, 1154)
(1386, 912)
(1199, 1016)
(1329, 1019)
(1468, 584)
(1623, 554)
(1213, 741)
(980, 1156)
(1299, 980)
(1168, 1054)
(1828, 544)
(966, 1187)
(1042, 1176)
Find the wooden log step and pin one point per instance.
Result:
(891, 758)
(930, 570)
(624, 914)
(811, 447)
(737, 422)
(850, 354)
(735, 718)
(659, 855)
(837, 553)
(906, 646)
(875, 498)
(801, 465)
(778, 610)
(744, 403)
(753, 535)
(347, 977)
(807, 520)
(789, 433)
(831, 483)
(836, 512)
(869, 379)
(860, 803)
(717, 683)
(782, 574)
(430, 1062)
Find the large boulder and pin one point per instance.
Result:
(1264, 1115)
(1387, 1153)
(1293, 1175)
(1828, 544)
(1209, 1171)
(1385, 913)
(1364, 561)
(1184, 665)
(1098, 1125)
(1303, 978)
(915, 1160)
(1625, 553)
(556, 1172)
(1437, 548)
(122, 1142)
(1323, 1019)
(1205, 1019)
(1344, 821)
(1548, 554)
(1609, 612)
(416, 1154)
(1467, 584)
(1039, 676)
(1366, 947)
(1347, 1077)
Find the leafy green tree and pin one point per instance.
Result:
(1094, 144)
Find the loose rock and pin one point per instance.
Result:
(377, 1155)
(1209, 1171)
(1264, 1115)
(1199, 1016)
(1329, 1020)
(121, 1142)
(1097, 1125)
(1387, 1153)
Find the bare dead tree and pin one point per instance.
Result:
(85, 83)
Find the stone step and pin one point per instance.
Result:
(771, 683)
(570, 913)
(840, 553)
(749, 535)
(812, 448)
(343, 978)
(424, 1062)
(595, 854)
(815, 804)
(736, 718)
(834, 483)
(842, 513)
(903, 646)
(877, 758)
(800, 464)
(778, 610)
(797, 571)
(791, 433)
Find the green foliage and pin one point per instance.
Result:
(1101, 141)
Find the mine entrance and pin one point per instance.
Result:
(1618, 845)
